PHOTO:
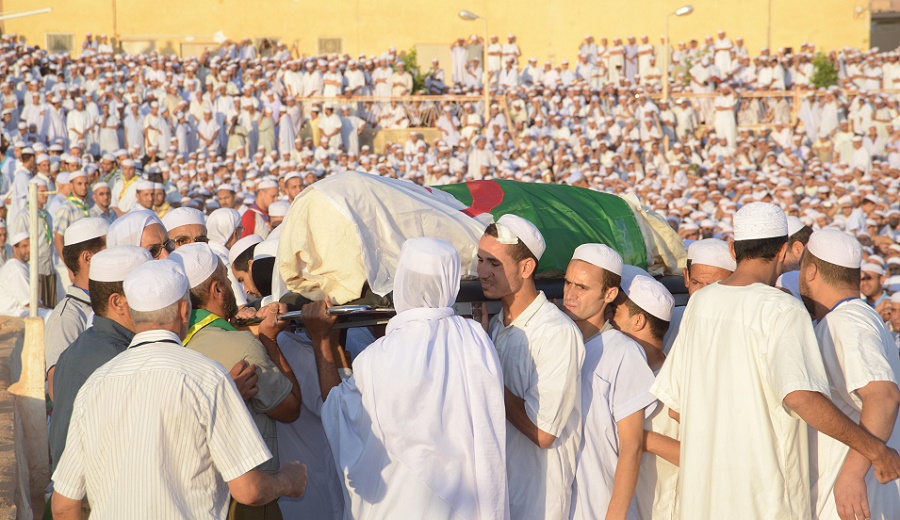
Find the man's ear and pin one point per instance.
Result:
(527, 267)
(611, 294)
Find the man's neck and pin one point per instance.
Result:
(81, 279)
(827, 302)
(514, 304)
(593, 324)
(174, 328)
(753, 271)
(119, 320)
(218, 310)
(653, 349)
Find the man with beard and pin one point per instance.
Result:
(209, 333)
(863, 369)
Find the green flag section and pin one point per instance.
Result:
(567, 216)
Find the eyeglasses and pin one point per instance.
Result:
(184, 240)
(156, 249)
(865, 278)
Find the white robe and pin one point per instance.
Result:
(857, 349)
(434, 370)
(742, 450)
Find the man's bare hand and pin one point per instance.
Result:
(317, 320)
(850, 498)
(295, 476)
(245, 378)
(246, 313)
(887, 466)
(271, 325)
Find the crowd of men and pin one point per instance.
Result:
(162, 184)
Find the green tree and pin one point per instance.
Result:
(410, 60)
(825, 73)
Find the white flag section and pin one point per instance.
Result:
(346, 230)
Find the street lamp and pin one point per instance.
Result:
(681, 11)
(469, 16)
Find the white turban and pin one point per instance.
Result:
(428, 272)
(221, 223)
(128, 229)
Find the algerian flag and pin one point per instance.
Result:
(345, 232)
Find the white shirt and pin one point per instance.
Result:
(857, 349)
(156, 433)
(615, 383)
(304, 439)
(14, 293)
(739, 352)
(541, 353)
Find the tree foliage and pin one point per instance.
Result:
(825, 72)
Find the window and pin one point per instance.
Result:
(60, 42)
(331, 45)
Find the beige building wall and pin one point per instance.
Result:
(547, 29)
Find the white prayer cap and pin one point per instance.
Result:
(62, 178)
(41, 182)
(127, 229)
(198, 261)
(794, 225)
(712, 252)
(221, 223)
(143, 185)
(279, 208)
(225, 187)
(836, 247)
(242, 245)
(629, 272)
(85, 229)
(758, 220)
(601, 256)
(152, 286)
(892, 284)
(99, 184)
(128, 163)
(42, 158)
(266, 184)
(511, 228)
(115, 263)
(183, 217)
(872, 268)
(77, 174)
(895, 298)
(18, 237)
(266, 249)
(651, 296)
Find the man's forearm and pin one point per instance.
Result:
(879, 413)
(516, 414)
(631, 432)
(65, 508)
(326, 366)
(819, 412)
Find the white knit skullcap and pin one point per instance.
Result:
(759, 220)
(511, 228)
(152, 286)
(115, 263)
(836, 247)
(601, 256)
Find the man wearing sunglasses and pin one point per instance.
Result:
(185, 226)
(142, 229)
(870, 285)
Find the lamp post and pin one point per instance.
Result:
(681, 11)
(469, 16)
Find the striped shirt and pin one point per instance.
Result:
(156, 433)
